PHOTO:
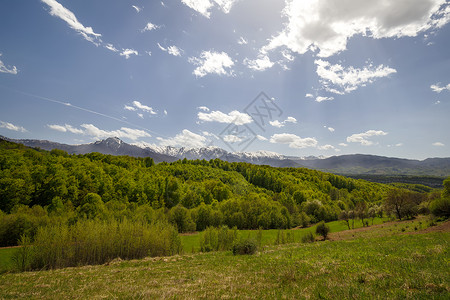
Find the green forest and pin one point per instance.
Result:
(39, 188)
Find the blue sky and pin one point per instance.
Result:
(338, 77)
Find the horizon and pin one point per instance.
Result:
(237, 152)
(297, 78)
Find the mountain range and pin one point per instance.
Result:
(342, 164)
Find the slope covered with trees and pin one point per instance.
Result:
(39, 187)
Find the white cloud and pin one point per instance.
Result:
(276, 123)
(340, 80)
(5, 69)
(65, 128)
(234, 117)
(184, 139)
(150, 27)
(309, 95)
(203, 6)
(437, 87)
(12, 127)
(111, 47)
(211, 62)
(140, 115)
(438, 144)
(293, 140)
(327, 25)
(279, 124)
(232, 139)
(93, 131)
(204, 108)
(320, 99)
(143, 107)
(128, 52)
(57, 10)
(137, 8)
(130, 108)
(260, 64)
(330, 129)
(343, 144)
(363, 138)
(172, 50)
(242, 41)
(326, 147)
(261, 138)
(165, 112)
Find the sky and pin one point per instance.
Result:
(296, 77)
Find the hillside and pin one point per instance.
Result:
(355, 164)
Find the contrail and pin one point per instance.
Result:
(84, 109)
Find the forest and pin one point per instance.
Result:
(40, 188)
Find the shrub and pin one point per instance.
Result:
(246, 246)
(95, 242)
(309, 237)
(23, 255)
(284, 237)
(440, 207)
(323, 229)
(217, 239)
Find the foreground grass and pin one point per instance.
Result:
(399, 266)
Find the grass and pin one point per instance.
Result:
(6, 262)
(386, 267)
(191, 242)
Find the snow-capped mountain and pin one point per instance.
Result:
(344, 164)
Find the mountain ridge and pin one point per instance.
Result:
(343, 164)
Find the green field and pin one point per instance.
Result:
(375, 263)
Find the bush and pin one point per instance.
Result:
(247, 246)
(91, 242)
(309, 237)
(217, 239)
(23, 255)
(284, 237)
(440, 207)
(323, 229)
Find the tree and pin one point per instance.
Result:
(344, 216)
(403, 203)
(323, 229)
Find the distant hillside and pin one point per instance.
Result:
(354, 164)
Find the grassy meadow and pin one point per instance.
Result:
(379, 262)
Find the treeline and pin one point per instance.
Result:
(39, 188)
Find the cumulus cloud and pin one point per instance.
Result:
(321, 98)
(234, 117)
(293, 140)
(136, 105)
(261, 138)
(343, 144)
(327, 25)
(340, 80)
(438, 144)
(204, 108)
(111, 47)
(327, 147)
(211, 62)
(12, 127)
(330, 129)
(279, 124)
(363, 138)
(95, 132)
(57, 10)
(66, 128)
(10, 70)
(184, 139)
(128, 52)
(204, 6)
(172, 50)
(150, 27)
(436, 87)
(309, 96)
(260, 64)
